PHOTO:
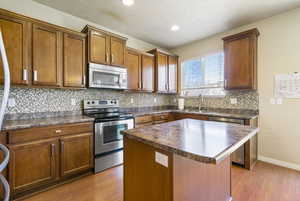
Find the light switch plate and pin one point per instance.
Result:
(233, 100)
(131, 101)
(162, 159)
(273, 101)
(73, 101)
(155, 100)
(279, 101)
(11, 102)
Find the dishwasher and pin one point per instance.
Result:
(237, 157)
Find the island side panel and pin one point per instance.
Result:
(251, 146)
(201, 181)
(144, 179)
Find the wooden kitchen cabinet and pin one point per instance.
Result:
(133, 65)
(166, 67)
(105, 47)
(148, 75)
(240, 70)
(172, 74)
(47, 55)
(15, 34)
(76, 154)
(117, 51)
(33, 164)
(74, 57)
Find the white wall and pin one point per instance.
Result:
(278, 52)
(35, 10)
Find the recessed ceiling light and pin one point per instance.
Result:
(128, 2)
(175, 28)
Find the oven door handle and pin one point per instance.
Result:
(113, 123)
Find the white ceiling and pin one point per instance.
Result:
(151, 20)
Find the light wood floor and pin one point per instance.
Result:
(265, 183)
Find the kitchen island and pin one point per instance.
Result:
(184, 160)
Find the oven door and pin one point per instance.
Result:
(110, 77)
(108, 135)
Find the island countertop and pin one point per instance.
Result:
(203, 141)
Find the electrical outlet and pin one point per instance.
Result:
(155, 100)
(233, 101)
(131, 101)
(161, 159)
(11, 102)
(272, 101)
(73, 101)
(175, 100)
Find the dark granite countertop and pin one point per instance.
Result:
(236, 114)
(203, 141)
(46, 121)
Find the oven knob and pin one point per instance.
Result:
(93, 102)
(88, 102)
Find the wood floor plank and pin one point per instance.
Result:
(265, 182)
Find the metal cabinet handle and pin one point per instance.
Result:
(35, 75)
(112, 58)
(84, 80)
(25, 74)
(225, 83)
(107, 58)
(62, 146)
(58, 131)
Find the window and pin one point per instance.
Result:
(204, 75)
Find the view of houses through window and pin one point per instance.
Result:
(204, 75)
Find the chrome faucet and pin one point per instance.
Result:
(200, 104)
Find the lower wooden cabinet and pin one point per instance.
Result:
(36, 164)
(33, 164)
(76, 153)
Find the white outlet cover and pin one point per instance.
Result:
(11, 102)
(279, 101)
(162, 159)
(233, 101)
(131, 100)
(73, 101)
(155, 100)
(272, 101)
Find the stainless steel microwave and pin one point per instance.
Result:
(109, 77)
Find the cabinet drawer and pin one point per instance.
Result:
(31, 134)
(143, 119)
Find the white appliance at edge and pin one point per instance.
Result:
(6, 76)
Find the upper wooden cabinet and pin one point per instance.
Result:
(148, 72)
(42, 54)
(240, 70)
(46, 55)
(105, 48)
(172, 73)
(140, 69)
(166, 67)
(74, 65)
(15, 36)
(133, 64)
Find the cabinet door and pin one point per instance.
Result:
(147, 73)
(99, 47)
(46, 56)
(33, 164)
(117, 51)
(172, 74)
(76, 154)
(162, 73)
(133, 64)
(239, 64)
(15, 35)
(74, 61)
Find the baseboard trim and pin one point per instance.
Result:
(293, 166)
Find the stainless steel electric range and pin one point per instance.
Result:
(109, 122)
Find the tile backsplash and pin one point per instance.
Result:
(32, 100)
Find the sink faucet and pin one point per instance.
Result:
(200, 104)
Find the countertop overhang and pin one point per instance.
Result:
(203, 141)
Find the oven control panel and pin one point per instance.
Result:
(100, 103)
